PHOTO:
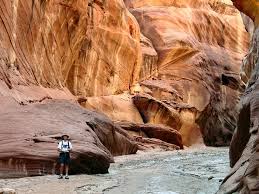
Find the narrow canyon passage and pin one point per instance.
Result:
(140, 87)
(197, 170)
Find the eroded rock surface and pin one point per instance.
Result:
(149, 65)
(64, 50)
(243, 177)
(141, 132)
(156, 112)
(91, 47)
(117, 107)
(199, 59)
(29, 137)
(190, 63)
(184, 60)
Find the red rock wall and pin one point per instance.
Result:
(55, 49)
(90, 47)
(181, 55)
(243, 177)
(30, 133)
(199, 60)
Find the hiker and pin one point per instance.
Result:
(64, 147)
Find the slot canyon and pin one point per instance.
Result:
(157, 96)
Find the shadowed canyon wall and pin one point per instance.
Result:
(243, 177)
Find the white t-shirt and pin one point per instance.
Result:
(63, 146)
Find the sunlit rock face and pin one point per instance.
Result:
(243, 177)
(58, 49)
(149, 65)
(117, 107)
(182, 56)
(200, 46)
(90, 47)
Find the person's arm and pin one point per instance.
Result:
(59, 146)
(70, 146)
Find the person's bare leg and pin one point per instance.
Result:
(61, 169)
(67, 167)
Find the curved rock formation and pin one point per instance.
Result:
(29, 138)
(156, 112)
(198, 59)
(59, 50)
(250, 8)
(158, 131)
(243, 177)
(179, 116)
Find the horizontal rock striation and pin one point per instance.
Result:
(29, 137)
(153, 131)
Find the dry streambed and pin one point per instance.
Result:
(190, 171)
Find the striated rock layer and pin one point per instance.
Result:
(90, 47)
(59, 49)
(29, 137)
(243, 177)
(199, 45)
(153, 132)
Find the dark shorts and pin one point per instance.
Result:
(64, 158)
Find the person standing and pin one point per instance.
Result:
(64, 147)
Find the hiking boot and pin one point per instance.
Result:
(60, 177)
(66, 177)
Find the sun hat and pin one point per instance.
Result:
(64, 136)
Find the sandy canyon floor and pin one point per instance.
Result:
(191, 171)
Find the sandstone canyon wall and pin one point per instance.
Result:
(90, 47)
(243, 177)
(166, 71)
(190, 69)
(59, 50)
(199, 46)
